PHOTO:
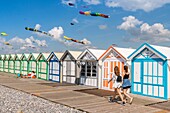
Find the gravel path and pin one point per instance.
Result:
(13, 101)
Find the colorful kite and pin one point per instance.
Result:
(35, 30)
(4, 34)
(77, 41)
(94, 14)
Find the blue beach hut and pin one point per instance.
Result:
(150, 71)
(54, 66)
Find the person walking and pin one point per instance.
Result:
(117, 79)
(126, 84)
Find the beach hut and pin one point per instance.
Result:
(151, 71)
(113, 56)
(6, 63)
(1, 63)
(70, 69)
(32, 62)
(54, 66)
(24, 64)
(43, 66)
(17, 63)
(89, 66)
(11, 63)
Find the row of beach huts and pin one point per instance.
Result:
(149, 67)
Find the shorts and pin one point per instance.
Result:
(126, 83)
(126, 87)
(117, 85)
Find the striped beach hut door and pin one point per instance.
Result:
(17, 66)
(1, 65)
(32, 66)
(24, 66)
(43, 68)
(6, 67)
(11, 66)
(54, 69)
(149, 77)
(108, 72)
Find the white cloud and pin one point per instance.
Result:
(57, 33)
(37, 26)
(133, 5)
(20, 45)
(92, 2)
(68, 1)
(155, 33)
(87, 42)
(102, 26)
(2, 39)
(16, 41)
(129, 22)
(75, 20)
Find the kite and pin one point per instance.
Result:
(72, 23)
(94, 14)
(70, 4)
(77, 41)
(4, 34)
(7, 43)
(36, 30)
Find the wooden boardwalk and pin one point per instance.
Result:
(66, 95)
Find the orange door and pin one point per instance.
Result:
(108, 72)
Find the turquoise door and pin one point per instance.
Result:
(149, 78)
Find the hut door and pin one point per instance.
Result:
(109, 72)
(153, 77)
(1, 65)
(54, 71)
(137, 86)
(105, 75)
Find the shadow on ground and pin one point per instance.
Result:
(56, 84)
(97, 92)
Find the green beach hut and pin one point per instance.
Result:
(1, 63)
(17, 63)
(6, 66)
(32, 62)
(43, 66)
(11, 63)
(24, 64)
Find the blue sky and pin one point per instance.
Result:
(131, 23)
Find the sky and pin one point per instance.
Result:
(130, 23)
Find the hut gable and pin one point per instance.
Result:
(70, 55)
(52, 56)
(91, 54)
(151, 51)
(116, 53)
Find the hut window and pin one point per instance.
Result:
(83, 68)
(94, 72)
(70, 68)
(1, 63)
(25, 65)
(43, 67)
(17, 65)
(88, 69)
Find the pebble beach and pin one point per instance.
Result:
(14, 101)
